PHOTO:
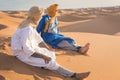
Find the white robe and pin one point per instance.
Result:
(25, 42)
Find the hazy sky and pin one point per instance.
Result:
(26, 4)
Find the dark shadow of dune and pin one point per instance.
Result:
(11, 12)
(2, 77)
(73, 17)
(3, 26)
(68, 18)
(22, 17)
(102, 25)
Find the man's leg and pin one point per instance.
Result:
(64, 71)
(84, 49)
(66, 45)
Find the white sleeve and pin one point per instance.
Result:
(38, 37)
(26, 42)
(15, 42)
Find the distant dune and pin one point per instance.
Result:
(111, 26)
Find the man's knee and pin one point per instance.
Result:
(52, 65)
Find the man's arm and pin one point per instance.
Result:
(43, 44)
(38, 55)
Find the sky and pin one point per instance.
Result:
(64, 4)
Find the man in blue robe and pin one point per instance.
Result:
(48, 27)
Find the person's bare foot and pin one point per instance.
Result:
(83, 50)
(82, 76)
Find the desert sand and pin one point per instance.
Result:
(98, 26)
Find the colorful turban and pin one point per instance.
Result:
(52, 12)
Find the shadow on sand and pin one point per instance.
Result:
(9, 62)
(2, 77)
(3, 26)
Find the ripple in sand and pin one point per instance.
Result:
(4, 41)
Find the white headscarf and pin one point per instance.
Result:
(33, 12)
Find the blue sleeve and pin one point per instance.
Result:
(41, 25)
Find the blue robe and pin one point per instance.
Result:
(52, 36)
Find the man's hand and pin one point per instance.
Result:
(38, 55)
(46, 58)
(51, 49)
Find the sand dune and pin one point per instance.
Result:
(2, 26)
(100, 27)
(108, 25)
(8, 24)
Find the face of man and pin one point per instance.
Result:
(55, 12)
(52, 10)
(37, 17)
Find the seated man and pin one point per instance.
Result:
(48, 26)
